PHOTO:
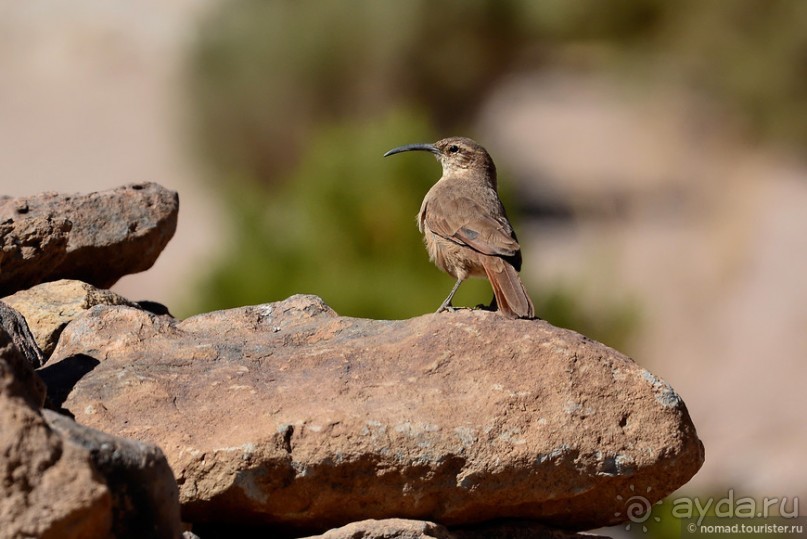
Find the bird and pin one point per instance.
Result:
(465, 227)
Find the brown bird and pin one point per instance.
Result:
(465, 227)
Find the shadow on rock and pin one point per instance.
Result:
(61, 377)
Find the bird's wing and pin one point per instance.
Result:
(466, 222)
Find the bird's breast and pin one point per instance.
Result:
(453, 258)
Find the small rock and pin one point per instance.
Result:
(399, 528)
(17, 327)
(48, 307)
(48, 488)
(97, 238)
(145, 499)
(288, 415)
(59, 479)
(17, 376)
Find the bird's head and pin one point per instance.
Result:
(456, 154)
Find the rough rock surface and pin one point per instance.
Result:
(48, 488)
(145, 500)
(15, 324)
(17, 377)
(97, 238)
(400, 528)
(288, 415)
(61, 480)
(48, 307)
(30, 246)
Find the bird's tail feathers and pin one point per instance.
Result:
(511, 296)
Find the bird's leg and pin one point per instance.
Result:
(446, 306)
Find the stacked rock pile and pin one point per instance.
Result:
(286, 419)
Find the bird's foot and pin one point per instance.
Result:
(446, 307)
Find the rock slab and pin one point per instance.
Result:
(288, 415)
(97, 238)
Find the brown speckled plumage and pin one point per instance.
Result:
(465, 227)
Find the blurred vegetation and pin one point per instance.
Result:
(264, 74)
(267, 74)
(294, 103)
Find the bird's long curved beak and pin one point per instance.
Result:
(414, 147)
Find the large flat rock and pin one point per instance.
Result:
(97, 237)
(289, 415)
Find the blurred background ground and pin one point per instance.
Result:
(650, 153)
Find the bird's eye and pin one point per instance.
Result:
(453, 148)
